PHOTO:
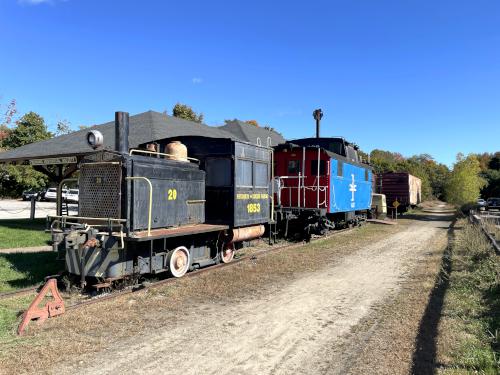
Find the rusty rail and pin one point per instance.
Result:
(476, 218)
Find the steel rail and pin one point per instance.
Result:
(476, 217)
(158, 284)
(16, 293)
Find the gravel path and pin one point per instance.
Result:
(300, 329)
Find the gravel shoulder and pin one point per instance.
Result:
(304, 326)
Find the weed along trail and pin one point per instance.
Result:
(302, 326)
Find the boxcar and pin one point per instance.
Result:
(401, 187)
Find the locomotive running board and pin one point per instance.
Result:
(49, 310)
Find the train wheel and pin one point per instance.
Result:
(179, 261)
(227, 253)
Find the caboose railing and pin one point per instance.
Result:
(301, 189)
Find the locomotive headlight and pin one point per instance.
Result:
(95, 139)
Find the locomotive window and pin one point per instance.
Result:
(218, 172)
(261, 175)
(314, 167)
(366, 174)
(244, 173)
(340, 168)
(293, 167)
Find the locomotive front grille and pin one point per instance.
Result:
(100, 190)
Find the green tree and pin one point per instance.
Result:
(465, 183)
(30, 128)
(16, 178)
(187, 113)
(495, 161)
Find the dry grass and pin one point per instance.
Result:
(492, 227)
(83, 332)
(390, 344)
(469, 332)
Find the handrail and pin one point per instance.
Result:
(135, 150)
(59, 194)
(150, 197)
(272, 188)
(87, 218)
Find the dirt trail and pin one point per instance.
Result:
(302, 328)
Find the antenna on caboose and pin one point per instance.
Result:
(318, 115)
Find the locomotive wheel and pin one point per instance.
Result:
(227, 253)
(179, 261)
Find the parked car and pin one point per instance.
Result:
(481, 202)
(27, 195)
(72, 195)
(51, 194)
(493, 204)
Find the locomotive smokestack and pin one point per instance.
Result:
(318, 115)
(121, 132)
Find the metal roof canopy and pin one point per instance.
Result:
(144, 128)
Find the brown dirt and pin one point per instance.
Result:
(292, 311)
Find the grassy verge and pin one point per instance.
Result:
(470, 328)
(22, 233)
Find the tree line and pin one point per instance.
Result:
(471, 177)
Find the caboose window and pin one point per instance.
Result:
(340, 169)
(366, 174)
(244, 173)
(261, 175)
(293, 167)
(314, 167)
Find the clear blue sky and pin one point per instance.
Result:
(413, 76)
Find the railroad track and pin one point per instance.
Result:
(158, 284)
(478, 217)
(17, 293)
(147, 286)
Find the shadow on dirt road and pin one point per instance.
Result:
(424, 357)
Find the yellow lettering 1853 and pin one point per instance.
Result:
(253, 208)
(172, 194)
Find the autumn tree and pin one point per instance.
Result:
(253, 122)
(63, 127)
(423, 166)
(464, 183)
(6, 119)
(187, 113)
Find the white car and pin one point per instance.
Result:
(72, 195)
(481, 202)
(51, 194)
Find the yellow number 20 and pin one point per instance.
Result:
(172, 194)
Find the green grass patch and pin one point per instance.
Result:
(23, 233)
(472, 306)
(21, 270)
(17, 271)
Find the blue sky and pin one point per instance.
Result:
(412, 76)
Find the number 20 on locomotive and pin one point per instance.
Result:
(172, 194)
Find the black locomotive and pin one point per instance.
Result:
(154, 209)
